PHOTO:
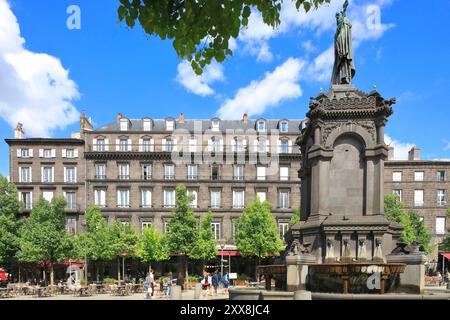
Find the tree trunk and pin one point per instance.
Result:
(118, 270)
(52, 275)
(97, 267)
(187, 271)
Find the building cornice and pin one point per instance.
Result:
(53, 141)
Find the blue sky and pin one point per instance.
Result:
(105, 68)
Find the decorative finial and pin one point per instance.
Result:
(321, 90)
(374, 87)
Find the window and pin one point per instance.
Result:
(71, 198)
(261, 126)
(215, 172)
(100, 171)
(147, 145)
(147, 125)
(418, 198)
(193, 194)
(47, 153)
(47, 174)
(238, 144)
(169, 198)
(216, 144)
(70, 174)
(440, 225)
(123, 124)
(284, 126)
(418, 176)
(441, 198)
(145, 225)
(284, 173)
(261, 173)
(123, 198)
(24, 153)
(71, 226)
(215, 125)
(146, 172)
(192, 145)
(441, 176)
(238, 172)
(169, 125)
(25, 174)
(397, 176)
(100, 198)
(284, 199)
(48, 195)
(70, 153)
(124, 171)
(100, 145)
(169, 145)
(146, 198)
(284, 146)
(169, 172)
(192, 172)
(123, 145)
(262, 145)
(216, 230)
(262, 196)
(26, 199)
(283, 228)
(398, 193)
(238, 199)
(215, 199)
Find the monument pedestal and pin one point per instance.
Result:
(413, 279)
(297, 271)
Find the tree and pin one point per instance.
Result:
(9, 223)
(125, 241)
(182, 230)
(257, 235)
(97, 238)
(201, 30)
(295, 218)
(205, 247)
(43, 236)
(153, 246)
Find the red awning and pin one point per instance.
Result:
(446, 255)
(227, 253)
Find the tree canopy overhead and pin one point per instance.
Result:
(200, 30)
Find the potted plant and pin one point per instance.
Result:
(241, 280)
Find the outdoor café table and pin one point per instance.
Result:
(39, 292)
(120, 290)
(136, 288)
(83, 291)
(5, 292)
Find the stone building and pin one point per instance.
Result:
(127, 168)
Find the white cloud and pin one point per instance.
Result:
(447, 146)
(275, 87)
(35, 89)
(401, 149)
(199, 85)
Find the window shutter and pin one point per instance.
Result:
(267, 145)
(20, 174)
(163, 142)
(19, 153)
(117, 144)
(279, 146)
(42, 174)
(96, 193)
(233, 145)
(129, 145)
(31, 174)
(75, 153)
(53, 174)
(174, 144)
(31, 153)
(244, 143)
(209, 145)
(152, 145)
(141, 147)
(289, 146)
(106, 144)
(65, 174)
(41, 153)
(31, 199)
(64, 153)
(94, 144)
(255, 145)
(118, 198)
(75, 173)
(53, 153)
(221, 145)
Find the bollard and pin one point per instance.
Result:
(175, 293)
(198, 291)
(302, 295)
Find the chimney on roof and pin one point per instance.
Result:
(119, 116)
(245, 118)
(181, 118)
(414, 154)
(85, 124)
(18, 131)
(390, 153)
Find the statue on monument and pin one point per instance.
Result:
(344, 66)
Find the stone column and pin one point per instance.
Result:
(297, 270)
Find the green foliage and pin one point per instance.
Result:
(153, 246)
(257, 233)
(200, 30)
(43, 236)
(9, 224)
(295, 218)
(182, 231)
(413, 225)
(205, 246)
(125, 240)
(108, 280)
(98, 237)
(242, 277)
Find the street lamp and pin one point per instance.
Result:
(83, 223)
(222, 243)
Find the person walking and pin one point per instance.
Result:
(169, 285)
(215, 282)
(147, 286)
(152, 283)
(226, 282)
(209, 284)
(204, 283)
(161, 286)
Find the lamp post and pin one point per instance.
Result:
(85, 251)
(222, 246)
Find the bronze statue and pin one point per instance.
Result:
(344, 66)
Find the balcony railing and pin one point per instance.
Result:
(238, 206)
(123, 206)
(100, 177)
(123, 177)
(169, 177)
(146, 177)
(192, 177)
(169, 205)
(238, 178)
(261, 178)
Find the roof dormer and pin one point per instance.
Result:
(147, 124)
(170, 124)
(215, 124)
(261, 125)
